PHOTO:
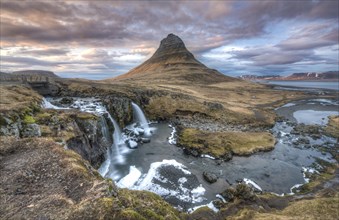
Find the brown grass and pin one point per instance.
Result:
(14, 97)
(332, 127)
(220, 143)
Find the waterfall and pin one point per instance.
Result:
(140, 117)
(46, 104)
(113, 156)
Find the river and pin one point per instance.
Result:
(333, 85)
(162, 167)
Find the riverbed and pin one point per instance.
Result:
(162, 167)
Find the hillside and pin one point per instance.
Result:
(172, 62)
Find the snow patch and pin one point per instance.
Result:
(221, 198)
(207, 156)
(209, 205)
(288, 105)
(252, 183)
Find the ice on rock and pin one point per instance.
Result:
(129, 180)
(252, 183)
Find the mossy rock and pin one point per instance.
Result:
(43, 118)
(28, 119)
(86, 116)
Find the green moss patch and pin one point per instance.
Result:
(28, 119)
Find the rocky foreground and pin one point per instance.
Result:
(46, 179)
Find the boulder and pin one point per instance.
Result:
(31, 130)
(229, 194)
(66, 100)
(210, 177)
(132, 144)
(145, 140)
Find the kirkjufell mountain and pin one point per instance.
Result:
(172, 61)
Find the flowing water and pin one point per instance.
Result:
(139, 117)
(333, 85)
(163, 168)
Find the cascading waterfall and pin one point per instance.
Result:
(104, 129)
(114, 156)
(46, 104)
(111, 167)
(140, 117)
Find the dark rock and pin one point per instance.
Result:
(239, 180)
(145, 140)
(66, 100)
(31, 130)
(214, 105)
(90, 142)
(229, 194)
(194, 153)
(227, 156)
(244, 192)
(218, 161)
(210, 177)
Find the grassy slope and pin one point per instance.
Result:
(332, 127)
(218, 144)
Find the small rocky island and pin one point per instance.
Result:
(170, 139)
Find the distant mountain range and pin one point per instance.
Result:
(308, 76)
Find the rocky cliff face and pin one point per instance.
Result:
(81, 132)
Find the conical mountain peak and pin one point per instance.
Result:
(172, 42)
(171, 45)
(172, 62)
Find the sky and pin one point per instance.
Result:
(103, 39)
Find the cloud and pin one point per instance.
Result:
(118, 35)
(311, 37)
(44, 52)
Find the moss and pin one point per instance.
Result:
(46, 131)
(129, 214)
(220, 144)
(150, 215)
(143, 200)
(86, 116)
(43, 118)
(28, 119)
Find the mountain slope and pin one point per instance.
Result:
(172, 62)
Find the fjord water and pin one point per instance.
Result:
(333, 85)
